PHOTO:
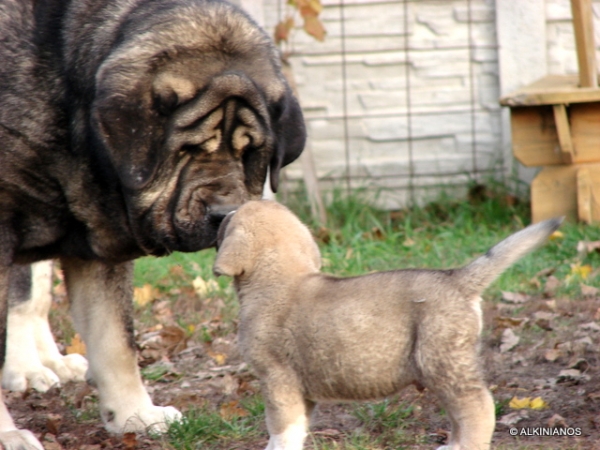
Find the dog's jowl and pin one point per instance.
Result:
(127, 127)
(310, 337)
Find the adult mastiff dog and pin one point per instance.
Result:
(128, 128)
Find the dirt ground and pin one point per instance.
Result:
(556, 359)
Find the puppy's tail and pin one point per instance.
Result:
(476, 276)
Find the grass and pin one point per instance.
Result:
(358, 239)
(204, 428)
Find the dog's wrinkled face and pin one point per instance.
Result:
(249, 243)
(195, 136)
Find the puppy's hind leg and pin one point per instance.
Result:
(473, 419)
(288, 415)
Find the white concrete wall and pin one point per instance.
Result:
(419, 105)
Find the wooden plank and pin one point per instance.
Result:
(588, 194)
(584, 195)
(551, 90)
(584, 41)
(571, 190)
(535, 139)
(561, 121)
(554, 193)
(585, 131)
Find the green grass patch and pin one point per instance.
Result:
(206, 428)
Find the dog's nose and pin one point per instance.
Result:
(217, 213)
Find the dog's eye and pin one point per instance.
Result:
(192, 149)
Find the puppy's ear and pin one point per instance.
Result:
(290, 135)
(233, 256)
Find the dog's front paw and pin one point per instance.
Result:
(69, 368)
(153, 419)
(36, 377)
(19, 440)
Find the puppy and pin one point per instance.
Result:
(312, 337)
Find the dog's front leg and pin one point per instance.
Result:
(288, 414)
(32, 357)
(101, 305)
(10, 436)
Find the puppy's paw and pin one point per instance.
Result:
(152, 419)
(39, 378)
(69, 368)
(19, 440)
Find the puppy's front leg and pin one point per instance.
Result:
(101, 304)
(288, 414)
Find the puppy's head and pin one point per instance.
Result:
(264, 237)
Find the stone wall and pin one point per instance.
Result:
(402, 96)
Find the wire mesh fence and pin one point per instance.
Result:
(401, 98)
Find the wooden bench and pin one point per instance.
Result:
(555, 124)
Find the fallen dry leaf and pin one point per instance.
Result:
(513, 418)
(552, 284)
(162, 312)
(508, 341)
(231, 410)
(585, 247)
(590, 326)
(130, 441)
(557, 235)
(53, 422)
(144, 295)
(545, 272)
(579, 271)
(314, 27)
(579, 364)
(174, 339)
(515, 297)
(510, 322)
(553, 354)
(538, 403)
(203, 288)
(519, 403)
(527, 403)
(328, 432)
(557, 421)
(589, 291)
(219, 358)
(50, 443)
(551, 305)
(282, 30)
(571, 375)
(77, 346)
(376, 233)
(225, 384)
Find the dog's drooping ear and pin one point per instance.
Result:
(290, 134)
(233, 257)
